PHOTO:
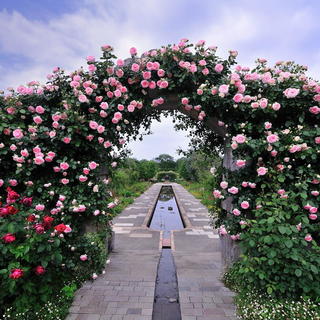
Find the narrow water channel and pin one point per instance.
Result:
(166, 217)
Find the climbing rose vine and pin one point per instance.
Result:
(60, 144)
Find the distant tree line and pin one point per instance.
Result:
(195, 166)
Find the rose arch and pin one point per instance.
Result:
(56, 139)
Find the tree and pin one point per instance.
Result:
(166, 162)
(147, 169)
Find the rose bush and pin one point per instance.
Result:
(58, 138)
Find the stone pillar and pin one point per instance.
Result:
(230, 250)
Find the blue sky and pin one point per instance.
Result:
(35, 36)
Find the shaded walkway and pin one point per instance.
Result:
(126, 291)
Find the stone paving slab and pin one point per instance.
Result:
(126, 290)
(197, 257)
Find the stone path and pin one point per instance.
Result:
(126, 290)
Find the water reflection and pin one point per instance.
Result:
(166, 216)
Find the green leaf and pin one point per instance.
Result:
(288, 243)
(298, 272)
(11, 227)
(282, 229)
(270, 220)
(269, 290)
(314, 269)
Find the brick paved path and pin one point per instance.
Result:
(126, 290)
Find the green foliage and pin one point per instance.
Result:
(147, 169)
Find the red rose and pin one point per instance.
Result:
(39, 228)
(39, 270)
(31, 218)
(12, 210)
(9, 237)
(27, 201)
(12, 195)
(16, 273)
(4, 212)
(60, 227)
(47, 220)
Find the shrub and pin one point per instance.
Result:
(167, 175)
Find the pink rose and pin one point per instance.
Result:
(244, 184)
(218, 67)
(38, 160)
(236, 212)
(37, 119)
(313, 216)
(86, 170)
(161, 73)
(205, 71)
(224, 184)
(315, 193)
(92, 68)
(238, 98)
(118, 115)
(317, 140)
(100, 129)
(240, 163)
(295, 148)
(267, 125)
(39, 207)
(82, 98)
(239, 138)
(272, 138)
(17, 133)
(64, 181)
(263, 103)
(83, 257)
(107, 144)
(135, 67)
(313, 210)
(233, 190)
(104, 105)
(291, 92)
(64, 166)
(245, 205)
(83, 178)
(276, 106)
(224, 88)
(262, 171)
(90, 58)
(217, 194)
(40, 109)
(93, 125)
(164, 84)
(13, 182)
(308, 237)
(133, 51)
(184, 101)
(281, 192)
(222, 231)
(66, 140)
(314, 110)
(120, 63)
(93, 165)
